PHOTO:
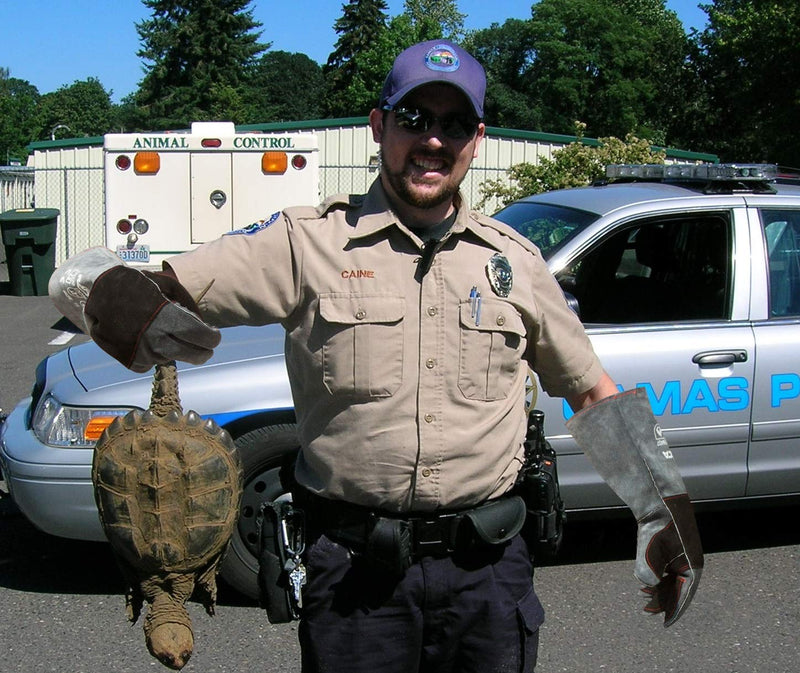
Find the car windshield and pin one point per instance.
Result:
(548, 227)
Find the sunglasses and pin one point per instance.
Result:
(419, 120)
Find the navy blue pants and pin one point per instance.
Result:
(470, 613)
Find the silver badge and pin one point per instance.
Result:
(498, 269)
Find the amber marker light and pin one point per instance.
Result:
(95, 427)
(274, 162)
(147, 163)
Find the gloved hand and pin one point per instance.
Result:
(140, 318)
(669, 558)
(625, 444)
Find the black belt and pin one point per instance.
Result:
(431, 534)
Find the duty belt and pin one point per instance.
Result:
(428, 534)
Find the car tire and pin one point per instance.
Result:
(265, 452)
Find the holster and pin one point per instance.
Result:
(388, 546)
(273, 584)
(539, 488)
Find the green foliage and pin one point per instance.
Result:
(749, 60)
(192, 47)
(613, 63)
(507, 53)
(18, 106)
(85, 107)
(352, 80)
(574, 165)
(285, 87)
(368, 43)
(434, 18)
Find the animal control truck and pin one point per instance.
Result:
(169, 192)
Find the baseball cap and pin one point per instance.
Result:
(435, 61)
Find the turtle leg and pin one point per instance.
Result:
(207, 585)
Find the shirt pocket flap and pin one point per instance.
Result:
(357, 309)
(492, 315)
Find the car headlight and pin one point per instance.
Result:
(57, 424)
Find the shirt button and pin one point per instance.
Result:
(361, 314)
(430, 363)
(501, 320)
(426, 472)
(429, 418)
(432, 311)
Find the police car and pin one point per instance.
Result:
(687, 279)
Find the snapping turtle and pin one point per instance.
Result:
(167, 487)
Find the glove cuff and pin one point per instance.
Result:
(72, 282)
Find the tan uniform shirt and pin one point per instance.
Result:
(405, 398)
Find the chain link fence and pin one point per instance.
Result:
(79, 194)
(16, 188)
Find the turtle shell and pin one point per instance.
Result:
(168, 489)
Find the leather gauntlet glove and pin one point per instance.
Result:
(621, 438)
(140, 318)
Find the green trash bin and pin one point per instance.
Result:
(29, 237)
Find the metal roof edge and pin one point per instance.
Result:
(65, 142)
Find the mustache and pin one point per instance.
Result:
(442, 154)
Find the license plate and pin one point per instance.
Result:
(137, 253)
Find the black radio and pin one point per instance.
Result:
(537, 483)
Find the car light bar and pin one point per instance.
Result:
(709, 172)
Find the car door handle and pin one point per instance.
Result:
(717, 358)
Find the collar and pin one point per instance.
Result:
(377, 215)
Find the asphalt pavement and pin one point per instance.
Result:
(62, 610)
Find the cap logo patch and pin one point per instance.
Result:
(442, 58)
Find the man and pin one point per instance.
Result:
(410, 320)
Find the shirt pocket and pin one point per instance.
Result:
(362, 351)
(491, 349)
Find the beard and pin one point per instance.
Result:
(404, 184)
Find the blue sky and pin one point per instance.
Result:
(53, 43)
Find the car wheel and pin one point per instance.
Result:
(264, 452)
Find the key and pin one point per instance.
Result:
(298, 579)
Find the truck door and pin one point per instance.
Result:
(659, 299)
(211, 186)
(775, 447)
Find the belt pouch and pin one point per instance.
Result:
(389, 547)
(273, 589)
(497, 522)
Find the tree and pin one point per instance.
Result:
(591, 63)
(18, 106)
(84, 106)
(507, 54)
(750, 63)
(613, 63)
(198, 54)
(285, 87)
(667, 67)
(432, 19)
(351, 83)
